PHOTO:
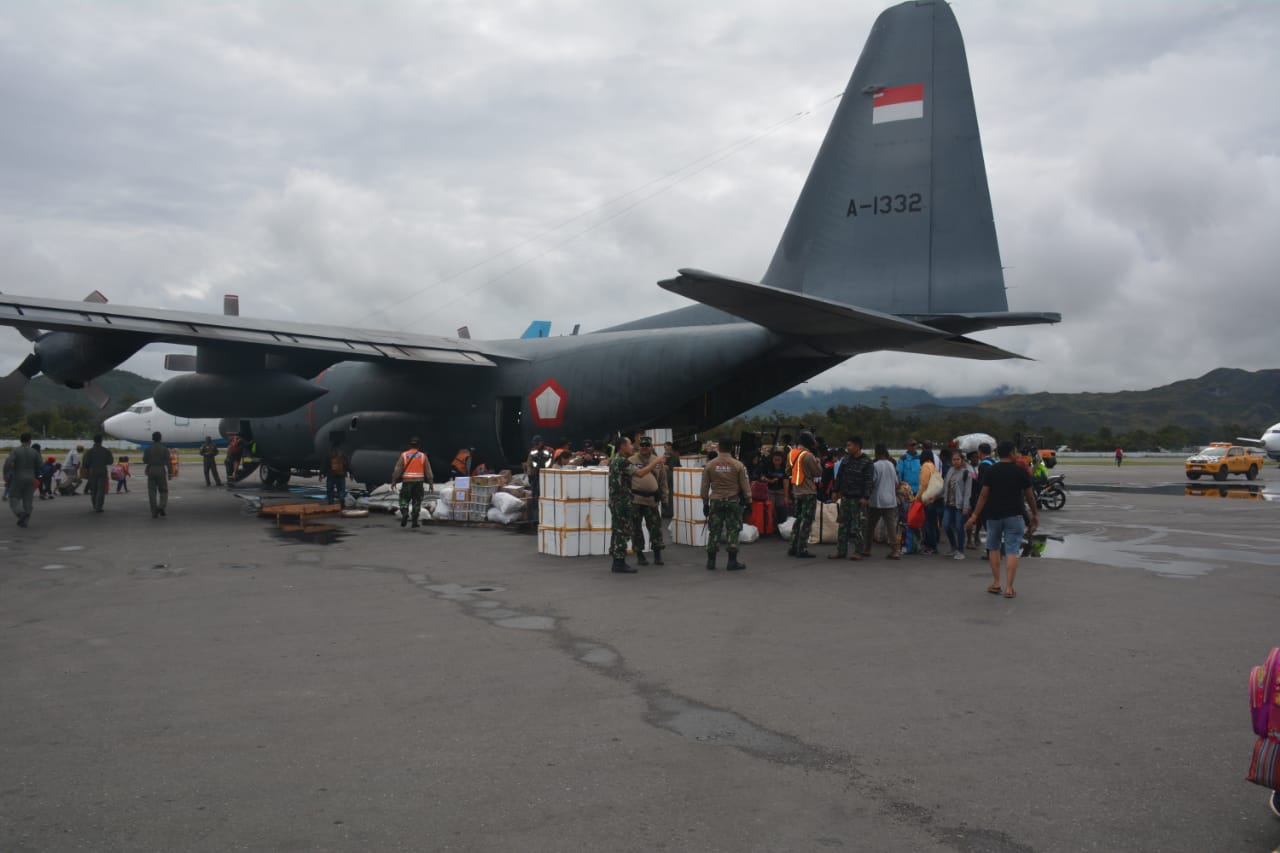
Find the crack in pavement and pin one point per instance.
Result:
(715, 727)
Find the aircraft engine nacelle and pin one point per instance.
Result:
(73, 358)
(261, 394)
(374, 440)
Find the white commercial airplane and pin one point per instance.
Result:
(1270, 442)
(140, 420)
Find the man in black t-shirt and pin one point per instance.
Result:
(1005, 487)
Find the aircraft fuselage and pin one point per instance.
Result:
(570, 388)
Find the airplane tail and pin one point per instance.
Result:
(895, 215)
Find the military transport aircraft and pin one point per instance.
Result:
(891, 246)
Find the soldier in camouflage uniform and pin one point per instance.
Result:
(648, 495)
(804, 470)
(621, 470)
(726, 495)
(853, 487)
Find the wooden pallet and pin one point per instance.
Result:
(301, 512)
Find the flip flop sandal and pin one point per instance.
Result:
(1011, 594)
(994, 589)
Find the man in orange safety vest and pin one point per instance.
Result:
(412, 472)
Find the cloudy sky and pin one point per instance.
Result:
(433, 164)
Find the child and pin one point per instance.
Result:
(905, 534)
(120, 473)
(46, 479)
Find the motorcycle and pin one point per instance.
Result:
(1052, 493)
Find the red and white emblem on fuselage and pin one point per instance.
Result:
(547, 404)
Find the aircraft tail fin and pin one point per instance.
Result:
(537, 329)
(895, 215)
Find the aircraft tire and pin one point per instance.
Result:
(273, 478)
(1252, 473)
(1221, 473)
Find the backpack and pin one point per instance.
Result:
(759, 490)
(117, 473)
(1264, 696)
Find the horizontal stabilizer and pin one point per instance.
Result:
(830, 327)
(786, 311)
(964, 324)
(962, 347)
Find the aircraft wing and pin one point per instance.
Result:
(829, 326)
(189, 327)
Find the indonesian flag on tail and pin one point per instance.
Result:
(897, 103)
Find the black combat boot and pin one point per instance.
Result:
(734, 565)
(803, 553)
(711, 561)
(404, 517)
(657, 557)
(620, 566)
(415, 523)
(640, 558)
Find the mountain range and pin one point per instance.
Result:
(1222, 396)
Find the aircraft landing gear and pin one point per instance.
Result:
(274, 478)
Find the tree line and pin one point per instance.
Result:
(61, 421)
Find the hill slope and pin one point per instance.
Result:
(1222, 396)
(43, 394)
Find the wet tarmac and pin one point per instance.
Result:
(203, 682)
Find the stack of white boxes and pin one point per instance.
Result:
(481, 496)
(690, 525)
(573, 510)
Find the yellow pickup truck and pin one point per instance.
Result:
(1223, 458)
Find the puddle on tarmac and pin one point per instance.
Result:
(1149, 553)
(313, 534)
(1246, 492)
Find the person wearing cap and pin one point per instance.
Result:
(622, 474)
(648, 493)
(20, 470)
(209, 454)
(539, 457)
(803, 470)
(155, 460)
(588, 458)
(412, 471)
(854, 481)
(726, 494)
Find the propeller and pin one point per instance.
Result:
(11, 386)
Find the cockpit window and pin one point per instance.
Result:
(140, 410)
